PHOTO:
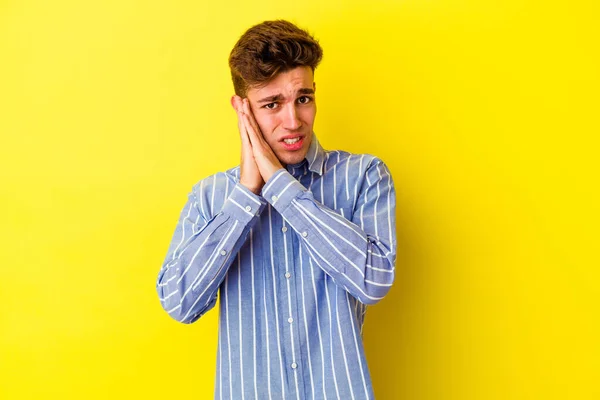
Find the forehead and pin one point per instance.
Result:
(286, 83)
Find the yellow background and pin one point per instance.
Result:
(486, 112)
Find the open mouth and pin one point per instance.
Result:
(293, 143)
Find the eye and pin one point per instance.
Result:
(270, 106)
(305, 99)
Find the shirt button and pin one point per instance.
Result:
(290, 320)
(294, 365)
(304, 234)
(223, 252)
(287, 275)
(284, 229)
(274, 198)
(248, 208)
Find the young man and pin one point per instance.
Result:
(296, 240)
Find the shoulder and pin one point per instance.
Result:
(359, 163)
(220, 181)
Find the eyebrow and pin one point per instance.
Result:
(277, 97)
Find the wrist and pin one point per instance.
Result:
(256, 189)
(271, 171)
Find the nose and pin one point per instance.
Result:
(290, 118)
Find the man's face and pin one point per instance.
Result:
(285, 111)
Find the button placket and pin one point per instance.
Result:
(294, 353)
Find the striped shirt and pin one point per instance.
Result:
(294, 268)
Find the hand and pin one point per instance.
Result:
(265, 158)
(250, 176)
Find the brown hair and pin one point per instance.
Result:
(268, 49)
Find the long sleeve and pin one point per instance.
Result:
(206, 240)
(359, 253)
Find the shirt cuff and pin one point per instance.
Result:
(243, 205)
(281, 189)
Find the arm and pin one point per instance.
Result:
(202, 249)
(204, 244)
(360, 253)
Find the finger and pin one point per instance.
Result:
(241, 127)
(241, 124)
(246, 144)
(251, 132)
(237, 103)
(252, 120)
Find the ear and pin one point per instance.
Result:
(236, 102)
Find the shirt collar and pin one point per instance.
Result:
(315, 156)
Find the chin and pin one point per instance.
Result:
(292, 160)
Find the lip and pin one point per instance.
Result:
(295, 146)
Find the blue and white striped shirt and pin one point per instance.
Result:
(294, 269)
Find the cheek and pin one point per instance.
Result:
(308, 114)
